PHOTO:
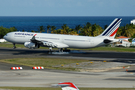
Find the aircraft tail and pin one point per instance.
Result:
(112, 29)
(68, 86)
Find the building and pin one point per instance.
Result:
(123, 42)
(2, 40)
(132, 21)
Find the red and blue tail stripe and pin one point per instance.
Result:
(111, 30)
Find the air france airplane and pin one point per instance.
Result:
(35, 40)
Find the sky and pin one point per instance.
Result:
(67, 7)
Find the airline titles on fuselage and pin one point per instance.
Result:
(26, 34)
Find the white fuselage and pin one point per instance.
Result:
(71, 40)
(35, 40)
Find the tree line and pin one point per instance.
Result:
(86, 30)
(4, 31)
(127, 30)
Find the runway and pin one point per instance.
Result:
(45, 78)
(81, 54)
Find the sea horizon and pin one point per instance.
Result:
(67, 16)
(29, 23)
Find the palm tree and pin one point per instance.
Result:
(88, 25)
(78, 28)
(65, 29)
(32, 31)
(41, 29)
(105, 27)
(48, 28)
(52, 29)
(23, 30)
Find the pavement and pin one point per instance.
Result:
(39, 78)
(116, 78)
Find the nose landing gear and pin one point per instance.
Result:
(14, 47)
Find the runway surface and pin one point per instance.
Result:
(45, 78)
(83, 54)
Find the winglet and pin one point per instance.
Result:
(35, 34)
(68, 86)
(33, 38)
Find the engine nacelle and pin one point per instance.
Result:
(31, 45)
(106, 41)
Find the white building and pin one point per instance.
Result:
(123, 41)
(132, 21)
(2, 40)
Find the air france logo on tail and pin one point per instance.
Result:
(112, 29)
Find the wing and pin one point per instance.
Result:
(49, 43)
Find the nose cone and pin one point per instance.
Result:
(7, 37)
(4, 37)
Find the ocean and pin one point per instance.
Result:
(29, 23)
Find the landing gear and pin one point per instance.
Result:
(66, 50)
(59, 52)
(14, 47)
(50, 50)
(60, 49)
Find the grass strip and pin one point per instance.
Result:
(48, 63)
(115, 49)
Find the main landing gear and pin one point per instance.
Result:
(60, 49)
(50, 50)
(14, 47)
(59, 52)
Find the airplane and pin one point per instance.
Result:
(67, 86)
(60, 41)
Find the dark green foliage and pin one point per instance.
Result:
(41, 29)
(128, 30)
(78, 28)
(105, 27)
(91, 30)
(4, 31)
(87, 30)
(52, 29)
(48, 28)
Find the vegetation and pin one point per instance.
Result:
(41, 29)
(127, 30)
(4, 31)
(50, 63)
(85, 30)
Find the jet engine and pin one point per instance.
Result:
(31, 45)
(106, 41)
